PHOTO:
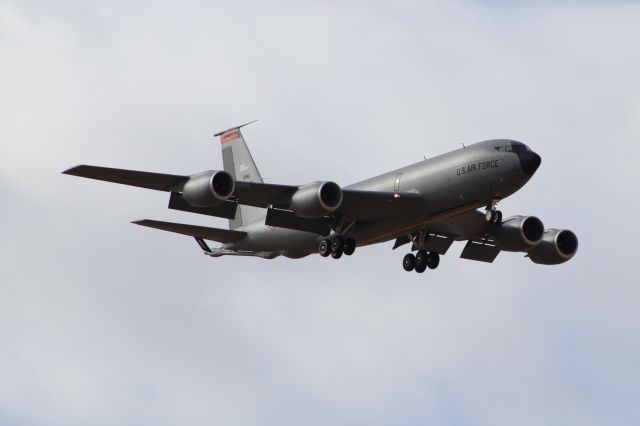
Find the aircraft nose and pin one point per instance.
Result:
(529, 162)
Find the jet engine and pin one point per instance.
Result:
(518, 233)
(557, 246)
(208, 189)
(316, 199)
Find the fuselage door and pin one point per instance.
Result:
(396, 182)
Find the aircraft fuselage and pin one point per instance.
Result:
(450, 184)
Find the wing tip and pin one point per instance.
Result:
(73, 170)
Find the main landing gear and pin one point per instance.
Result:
(337, 246)
(493, 215)
(423, 259)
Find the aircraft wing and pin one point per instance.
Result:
(465, 226)
(259, 194)
(356, 204)
(469, 226)
(473, 227)
(149, 180)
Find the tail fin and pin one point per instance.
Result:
(238, 162)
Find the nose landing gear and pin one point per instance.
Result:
(493, 215)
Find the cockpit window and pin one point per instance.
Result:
(513, 147)
(505, 148)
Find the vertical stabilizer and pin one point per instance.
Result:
(238, 162)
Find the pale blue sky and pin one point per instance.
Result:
(102, 322)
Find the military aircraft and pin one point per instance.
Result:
(429, 205)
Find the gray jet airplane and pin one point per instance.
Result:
(428, 205)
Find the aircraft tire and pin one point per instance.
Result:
(409, 262)
(433, 260)
(421, 261)
(489, 215)
(493, 216)
(337, 244)
(337, 254)
(325, 248)
(349, 246)
(421, 257)
(497, 217)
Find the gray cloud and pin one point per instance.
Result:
(102, 322)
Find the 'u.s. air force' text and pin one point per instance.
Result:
(482, 165)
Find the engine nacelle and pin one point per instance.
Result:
(557, 246)
(518, 233)
(316, 199)
(208, 189)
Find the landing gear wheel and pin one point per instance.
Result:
(349, 246)
(421, 267)
(337, 244)
(498, 217)
(325, 248)
(409, 262)
(421, 261)
(337, 247)
(493, 216)
(433, 260)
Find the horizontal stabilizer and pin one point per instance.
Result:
(213, 234)
(157, 181)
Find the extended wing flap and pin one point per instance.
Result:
(287, 219)
(149, 180)
(464, 226)
(213, 234)
(480, 251)
(226, 209)
(259, 194)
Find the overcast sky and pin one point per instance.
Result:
(103, 322)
